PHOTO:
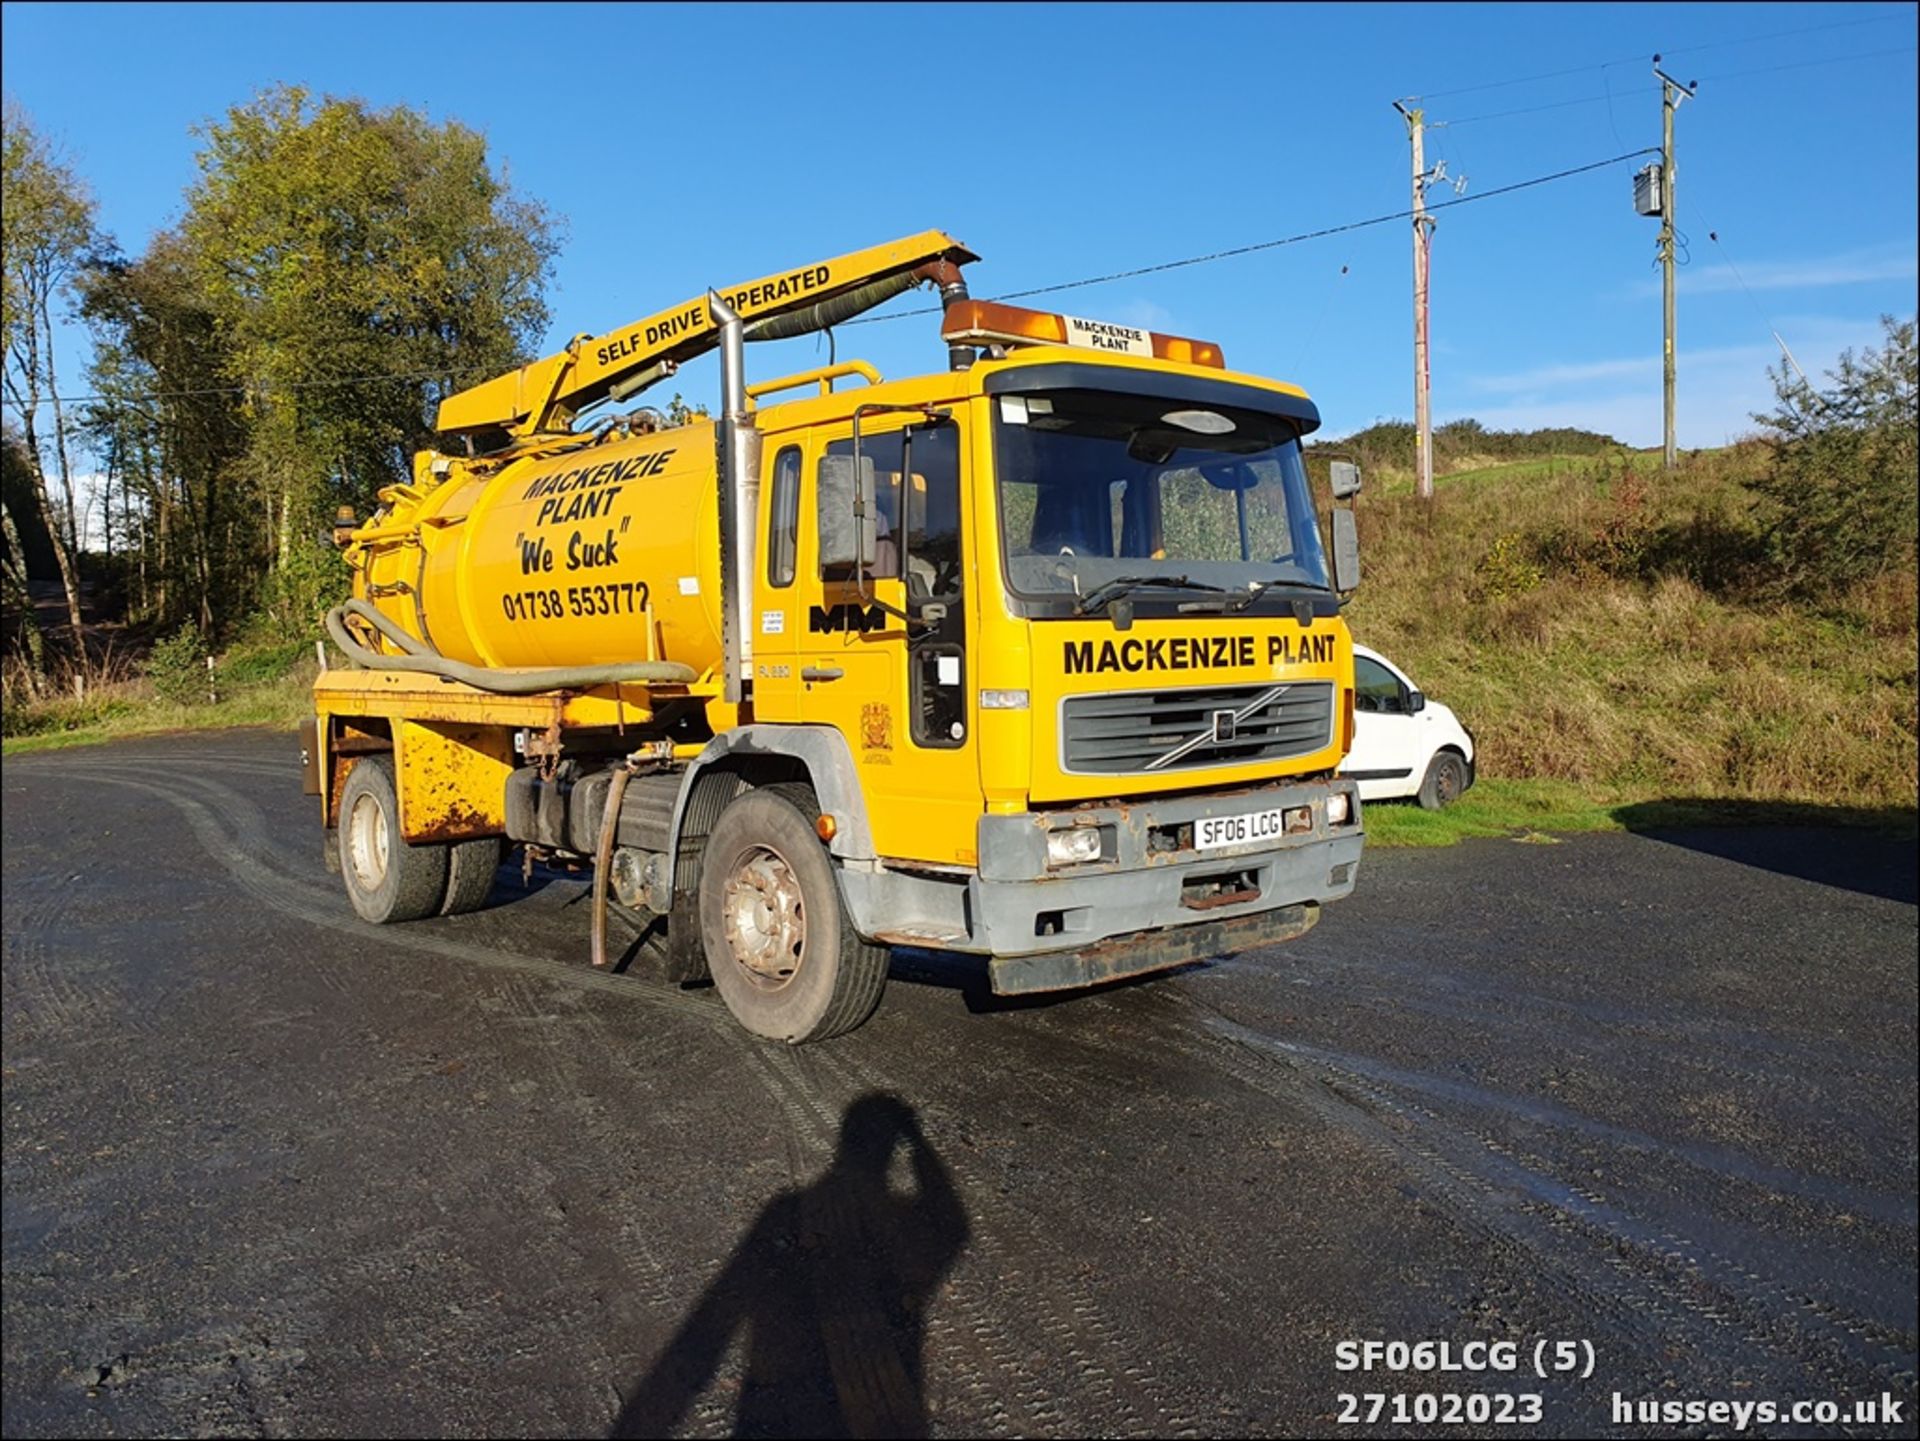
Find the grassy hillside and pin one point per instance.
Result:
(1385, 449)
(1613, 635)
(1614, 630)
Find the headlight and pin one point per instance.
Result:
(1339, 808)
(1073, 846)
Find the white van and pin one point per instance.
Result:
(1403, 743)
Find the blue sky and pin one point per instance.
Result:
(687, 146)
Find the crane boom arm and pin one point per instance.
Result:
(546, 394)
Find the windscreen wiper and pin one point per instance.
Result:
(1239, 600)
(1106, 592)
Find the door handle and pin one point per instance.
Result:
(811, 673)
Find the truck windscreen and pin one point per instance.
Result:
(1095, 486)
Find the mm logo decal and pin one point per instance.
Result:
(836, 619)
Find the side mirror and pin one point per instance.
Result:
(1343, 477)
(846, 538)
(1346, 553)
(1416, 702)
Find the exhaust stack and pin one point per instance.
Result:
(738, 456)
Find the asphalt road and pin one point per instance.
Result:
(269, 1170)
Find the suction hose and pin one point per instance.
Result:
(829, 313)
(423, 658)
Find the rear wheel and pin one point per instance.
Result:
(1446, 779)
(470, 870)
(778, 941)
(387, 879)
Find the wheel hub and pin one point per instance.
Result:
(367, 843)
(764, 917)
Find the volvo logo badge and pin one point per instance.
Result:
(1224, 722)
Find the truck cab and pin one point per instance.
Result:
(1087, 658)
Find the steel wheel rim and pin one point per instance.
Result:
(367, 843)
(1448, 786)
(763, 917)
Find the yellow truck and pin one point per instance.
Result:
(1037, 658)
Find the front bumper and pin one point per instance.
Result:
(1111, 960)
(1151, 902)
(1150, 881)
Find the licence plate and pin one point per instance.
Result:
(1217, 831)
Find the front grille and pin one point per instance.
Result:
(1126, 734)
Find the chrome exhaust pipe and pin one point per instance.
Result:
(737, 452)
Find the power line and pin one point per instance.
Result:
(1632, 59)
(1803, 64)
(1523, 79)
(1054, 289)
(1783, 34)
(1613, 95)
(1713, 234)
(385, 377)
(1258, 246)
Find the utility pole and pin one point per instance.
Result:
(1422, 269)
(1672, 92)
(1422, 251)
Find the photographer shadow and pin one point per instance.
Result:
(829, 1292)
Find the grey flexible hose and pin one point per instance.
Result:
(828, 313)
(420, 657)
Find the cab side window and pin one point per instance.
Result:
(918, 512)
(783, 536)
(1376, 689)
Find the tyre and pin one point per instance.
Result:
(387, 879)
(471, 866)
(777, 938)
(1446, 779)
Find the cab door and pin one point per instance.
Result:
(883, 655)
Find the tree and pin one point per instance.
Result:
(170, 423)
(358, 266)
(16, 559)
(282, 350)
(1840, 491)
(47, 234)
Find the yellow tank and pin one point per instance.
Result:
(601, 555)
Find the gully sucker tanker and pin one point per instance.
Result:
(1038, 657)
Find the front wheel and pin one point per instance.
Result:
(1445, 781)
(782, 951)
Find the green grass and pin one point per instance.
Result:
(1536, 811)
(1492, 807)
(278, 705)
(257, 683)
